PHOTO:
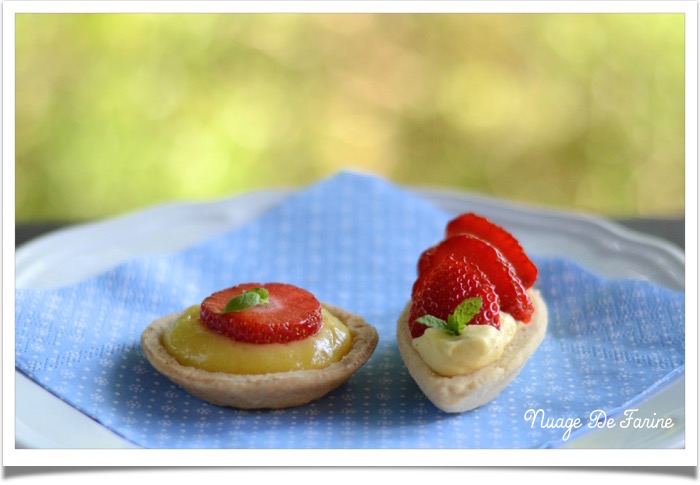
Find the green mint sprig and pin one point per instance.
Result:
(459, 319)
(247, 299)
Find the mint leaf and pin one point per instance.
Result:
(459, 319)
(463, 314)
(432, 321)
(454, 326)
(263, 294)
(248, 299)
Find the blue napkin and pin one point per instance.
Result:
(353, 240)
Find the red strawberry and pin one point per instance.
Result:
(446, 286)
(425, 259)
(513, 298)
(500, 239)
(290, 314)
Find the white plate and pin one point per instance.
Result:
(76, 253)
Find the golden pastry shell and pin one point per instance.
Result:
(262, 391)
(463, 393)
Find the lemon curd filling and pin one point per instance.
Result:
(192, 344)
(476, 347)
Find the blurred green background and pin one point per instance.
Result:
(115, 112)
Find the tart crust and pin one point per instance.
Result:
(273, 390)
(463, 393)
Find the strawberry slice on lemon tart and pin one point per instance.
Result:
(258, 345)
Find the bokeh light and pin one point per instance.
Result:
(115, 112)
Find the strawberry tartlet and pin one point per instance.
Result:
(256, 346)
(474, 318)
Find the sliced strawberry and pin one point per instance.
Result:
(290, 314)
(446, 286)
(513, 298)
(425, 263)
(425, 259)
(501, 239)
